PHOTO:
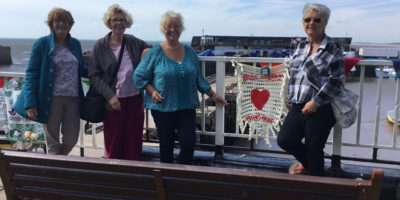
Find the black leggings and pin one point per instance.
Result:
(183, 121)
(315, 128)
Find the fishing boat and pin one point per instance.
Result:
(391, 116)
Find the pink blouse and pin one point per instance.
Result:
(125, 86)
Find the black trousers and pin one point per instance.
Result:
(314, 128)
(183, 121)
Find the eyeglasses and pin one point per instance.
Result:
(176, 27)
(315, 20)
(59, 21)
(120, 20)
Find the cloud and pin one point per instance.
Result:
(364, 20)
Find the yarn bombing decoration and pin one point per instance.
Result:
(261, 99)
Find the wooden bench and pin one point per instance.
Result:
(41, 176)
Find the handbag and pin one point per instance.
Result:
(93, 106)
(343, 106)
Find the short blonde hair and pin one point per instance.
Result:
(115, 8)
(171, 14)
(59, 14)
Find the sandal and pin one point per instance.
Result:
(297, 169)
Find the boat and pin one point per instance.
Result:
(5, 55)
(391, 118)
(386, 73)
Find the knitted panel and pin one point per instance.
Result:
(261, 99)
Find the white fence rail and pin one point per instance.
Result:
(219, 121)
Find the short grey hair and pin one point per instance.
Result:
(171, 14)
(115, 8)
(323, 10)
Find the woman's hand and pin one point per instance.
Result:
(219, 100)
(32, 113)
(309, 108)
(115, 104)
(155, 95)
(216, 98)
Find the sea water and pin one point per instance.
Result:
(21, 48)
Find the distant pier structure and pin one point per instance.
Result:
(254, 46)
(376, 50)
(5, 55)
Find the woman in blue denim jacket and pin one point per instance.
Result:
(170, 73)
(53, 88)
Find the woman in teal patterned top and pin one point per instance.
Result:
(170, 74)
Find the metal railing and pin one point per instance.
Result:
(219, 134)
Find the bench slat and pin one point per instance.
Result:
(265, 195)
(132, 180)
(77, 186)
(48, 195)
(256, 190)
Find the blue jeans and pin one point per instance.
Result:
(314, 128)
(183, 121)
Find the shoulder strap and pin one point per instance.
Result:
(121, 53)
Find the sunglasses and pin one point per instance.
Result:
(315, 20)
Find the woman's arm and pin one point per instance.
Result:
(96, 72)
(143, 74)
(333, 82)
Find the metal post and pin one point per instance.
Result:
(82, 138)
(336, 147)
(82, 152)
(219, 115)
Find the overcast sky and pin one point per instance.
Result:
(363, 20)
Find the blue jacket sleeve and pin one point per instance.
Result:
(32, 76)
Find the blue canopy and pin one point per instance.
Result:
(207, 52)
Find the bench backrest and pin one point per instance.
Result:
(70, 177)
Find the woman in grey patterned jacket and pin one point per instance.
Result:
(319, 60)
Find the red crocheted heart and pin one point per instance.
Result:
(259, 99)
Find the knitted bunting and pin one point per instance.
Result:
(262, 93)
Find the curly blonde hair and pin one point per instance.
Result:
(171, 14)
(115, 8)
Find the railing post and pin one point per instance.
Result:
(336, 148)
(396, 114)
(219, 115)
(81, 139)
